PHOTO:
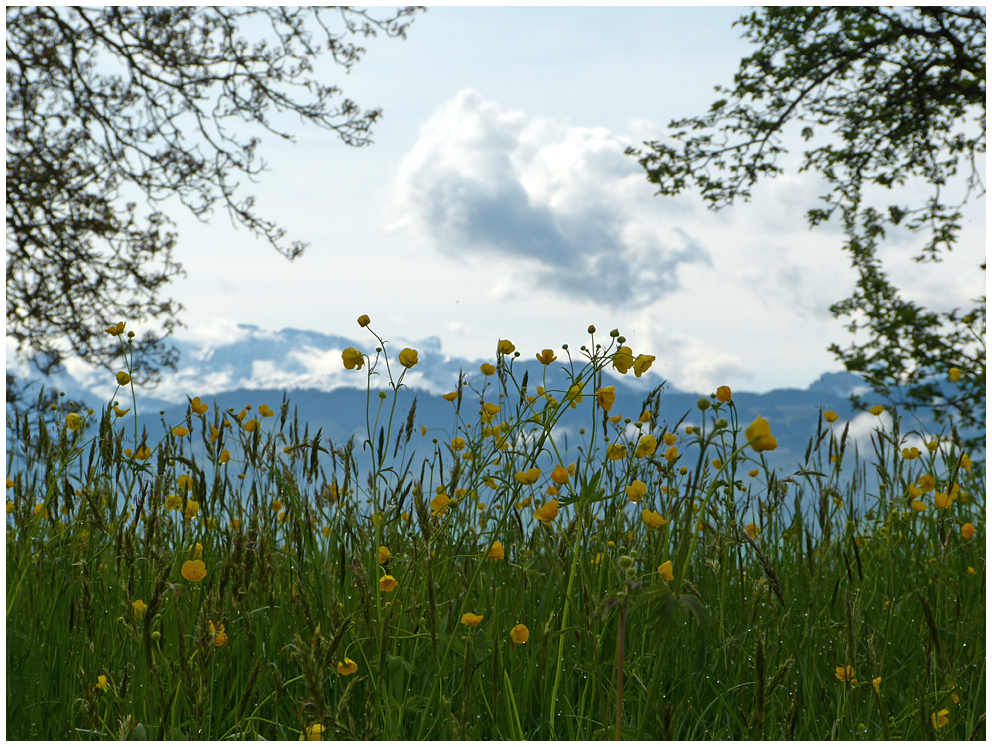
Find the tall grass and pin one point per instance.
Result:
(337, 603)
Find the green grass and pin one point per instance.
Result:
(744, 642)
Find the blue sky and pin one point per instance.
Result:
(496, 202)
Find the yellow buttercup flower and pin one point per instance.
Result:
(560, 475)
(364, 321)
(914, 491)
(225, 456)
(180, 431)
(547, 356)
(616, 452)
(315, 732)
(670, 439)
(199, 407)
(115, 330)
(387, 583)
(450, 396)
(665, 571)
(439, 504)
(672, 454)
(192, 509)
(548, 511)
(646, 446)
(753, 473)
(408, 358)
(458, 443)
(623, 359)
(488, 369)
(926, 483)
(966, 462)
(845, 674)
(723, 394)
(939, 719)
(471, 620)
(73, 422)
(496, 551)
(347, 667)
(642, 363)
(265, 411)
(139, 608)
(220, 637)
(918, 506)
(942, 500)
(383, 554)
(352, 358)
(830, 416)
(877, 410)
(123, 378)
(185, 482)
(519, 634)
(955, 374)
(759, 435)
(968, 531)
(753, 530)
(910, 454)
(505, 347)
(652, 519)
(194, 570)
(121, 413)
(636, 490)
(529, 477)
(606, 396)
(101, 683)
(876, 683)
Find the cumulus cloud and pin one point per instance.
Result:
(564, 201)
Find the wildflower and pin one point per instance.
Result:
(653, 520)
(236, 525)
(665, 571)
(519, 634)
(115, 330)
(642, 363)
(123, 378)
(547, 356)
(717, 463)
(623, 359)
(971, 571)
(914, 491)
(877, 410)
(408, 358)
(458, 443)
(672, 454)
(73, 422)
(616, 452)
(955, 698)
(199, 407)
(196, 549)
(40, 510)
(192, 509)
(121, 413)
(225, 456)
(636, 490)
(488, 369)
(723, 394)
(830, 416)
(926, 483)
(918, 506)
(194, 570)
(968, 531)
(496, 551)
(529, 477)
(387, 583)
(10, 483)
(876, 683)
(574, 395)
(102, 684)
(616, 419)
(753, 473)
(471, 620)
(525, 503)
(646, 446)
(941, 500)
(955, 374)
(10, 507)
(966, 462)
(606, 396)
(911, 454)
(939, 719)
(439, 504)
(265, 411)
(347, 667)
(139, 608)
(845, 674)
(423, 431)
(363, 321)
(173, 503)
(548, 511)
(753, 530)
(384, 554)
(180, 431)
(315, 732)
(560, 475)
(185, 482)
(220, 637)
(505, 347)
(352, 358)
(759, 435)
(933, 445)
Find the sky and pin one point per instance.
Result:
(496, 202)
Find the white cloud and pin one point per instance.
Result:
(564, 202)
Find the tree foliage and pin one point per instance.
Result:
(887, 99)
(106, 106)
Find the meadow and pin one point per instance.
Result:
(224, 582)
